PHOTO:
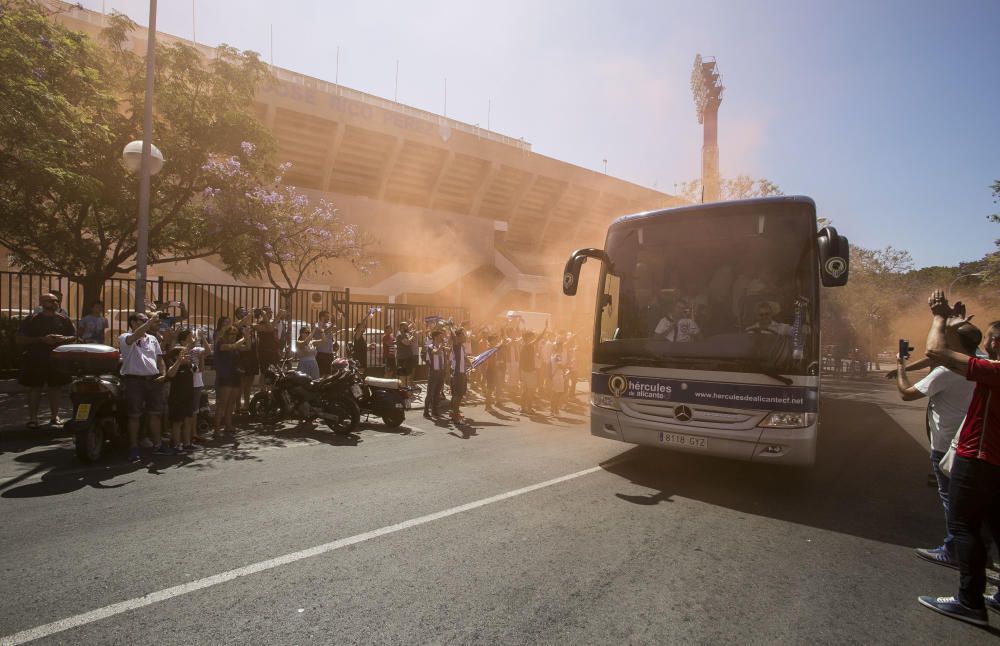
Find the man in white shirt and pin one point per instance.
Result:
(678, 326)
(143, 372)
(948, 396)
(766, 324)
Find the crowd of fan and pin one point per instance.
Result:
(163, 361)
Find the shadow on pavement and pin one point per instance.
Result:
(869, 480)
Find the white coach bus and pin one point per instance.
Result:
(706, 336)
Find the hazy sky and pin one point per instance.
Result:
(886, 113)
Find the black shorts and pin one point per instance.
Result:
(324, 360)
(390, 363)
(269, 358)
(248, 364)
(37, 372)
(407, 366)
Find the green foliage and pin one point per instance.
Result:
(67, 205)
(286, 237)
(741, 187)
(881, 286)
(992, 261)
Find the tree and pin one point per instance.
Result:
(739, 188)
(70, 104)
(992, 261)
(880, 288)
(286, 237)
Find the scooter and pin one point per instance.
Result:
(293, 394)
(385, 398)
(100, 413)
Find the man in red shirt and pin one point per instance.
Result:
(975, 473)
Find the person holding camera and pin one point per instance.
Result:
(249, 364)
(323, 331)
(974, 487)
(143, 371)
(268, 347)
(229, 344)
(181, 404)
(459, 373)
(436, 360)
(948, 395)
(678, 326)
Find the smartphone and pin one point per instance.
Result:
(904, 349)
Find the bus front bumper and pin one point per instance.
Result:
(785, 446)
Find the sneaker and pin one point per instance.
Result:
(953, 608)
(146, 443)
(937, 555)
(178, 450)
(162, 449)
(192, 447)
(133, 454)
(991, 602)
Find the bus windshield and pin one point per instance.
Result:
(732, 288)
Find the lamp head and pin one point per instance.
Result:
(132, 158)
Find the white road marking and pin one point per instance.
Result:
(207, 582)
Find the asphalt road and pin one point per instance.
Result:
(637, 546)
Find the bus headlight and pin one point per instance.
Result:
(605, 401)
(787, 420)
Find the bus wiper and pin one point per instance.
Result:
(773, 375)
(633, 360)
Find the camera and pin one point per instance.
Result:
(905, 349)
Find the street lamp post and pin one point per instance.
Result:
(145, 169)
(873, 316)
(952, 285)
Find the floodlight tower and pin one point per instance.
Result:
(706, 86)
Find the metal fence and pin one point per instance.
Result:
(205, 303)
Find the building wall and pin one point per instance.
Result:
(431, 190)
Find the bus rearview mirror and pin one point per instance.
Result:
(571, 274)
(834, 257)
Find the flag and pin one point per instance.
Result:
(483, 357)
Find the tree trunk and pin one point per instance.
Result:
(93, 288)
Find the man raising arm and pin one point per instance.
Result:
(974, 492)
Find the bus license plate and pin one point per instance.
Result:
(83, 412)
(689, 441)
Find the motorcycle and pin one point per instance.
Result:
(100, 413)
(384, 398)
(292, 394)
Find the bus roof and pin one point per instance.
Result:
(694, 208)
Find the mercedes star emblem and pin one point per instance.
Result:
(683, 414)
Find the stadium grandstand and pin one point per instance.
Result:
(462, 215)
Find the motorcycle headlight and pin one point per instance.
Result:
(605, 401)
(786, 420)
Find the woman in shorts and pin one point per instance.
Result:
(228, 344)
(180, 402)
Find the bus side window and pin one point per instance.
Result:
(610, 307)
